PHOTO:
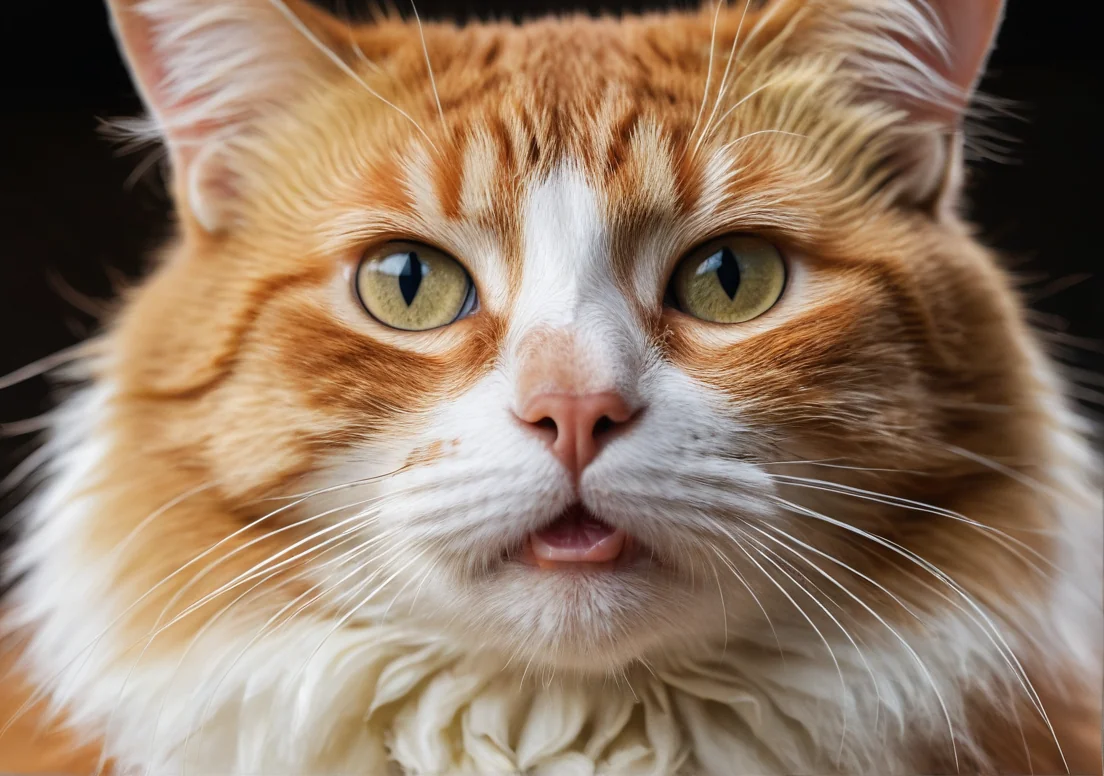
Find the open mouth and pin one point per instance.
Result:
(576, 540)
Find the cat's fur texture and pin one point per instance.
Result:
(270, 533)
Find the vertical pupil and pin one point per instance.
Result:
(728, 273)
(410, 278)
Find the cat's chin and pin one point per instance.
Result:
(581, 616)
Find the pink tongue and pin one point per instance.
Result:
(577, 538)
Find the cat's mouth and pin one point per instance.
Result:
(576, 540)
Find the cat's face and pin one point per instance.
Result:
(633, 275)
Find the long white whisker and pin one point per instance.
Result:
(429, 65)
(40, 692)
(740, 546)
(709, 72)
(946, 579)
(352, 611)
(1011, 473)
(750, 135)
(306, 32)
(45, 364)
(723, 87)
(908, 647)
(26, 468)
(743, 581)
(359, 522)
(27, 426)
(854, 641)
(343, 8)
(158, 628)
(801, 611)
(724, 608)
(743, 100)
(207, 626)
(918, 506)
(267, 625)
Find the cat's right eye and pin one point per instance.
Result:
(729, 280)
(414, 287)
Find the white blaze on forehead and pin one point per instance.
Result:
(567, 283)
(564, 247)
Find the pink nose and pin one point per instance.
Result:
(576, 427)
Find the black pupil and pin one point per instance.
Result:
(728, 273)
(410, 279)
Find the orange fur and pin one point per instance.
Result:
(239, 369)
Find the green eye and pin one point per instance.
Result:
(414, 287)
(729, 280)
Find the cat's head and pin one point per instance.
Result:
(570, 331)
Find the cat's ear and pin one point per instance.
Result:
(927, 56)
(207, 70)
(968, 31)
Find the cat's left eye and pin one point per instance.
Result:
(729, 280)
(414, 287)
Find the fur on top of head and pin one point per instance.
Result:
(278, 535)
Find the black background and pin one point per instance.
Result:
(75, 221)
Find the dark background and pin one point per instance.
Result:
(76, 219)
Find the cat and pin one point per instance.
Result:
(585, 395)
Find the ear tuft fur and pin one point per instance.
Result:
(207, 71)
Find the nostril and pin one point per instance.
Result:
(548, 424)
(604, 424)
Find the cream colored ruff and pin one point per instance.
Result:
(309, 699)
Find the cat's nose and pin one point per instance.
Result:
(576, 427)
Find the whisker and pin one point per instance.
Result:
(41, 692)
(266, 628)
(343, 9)
(827, 463)
(306, 32)
(47, 364)
(429, 65)
(992, 631)
(709, 71)
(800, 609)
(853, 640)
(918, 506)
(33, 425)
(743, 581)
(1011, 473)
(722, 89)
(267, 564)
(345, 558)
(345, 618)
(28, 466)
(375, 501)
(156, 631)
(750, 135)
(724, 609)
(912, 652)
(207, 626)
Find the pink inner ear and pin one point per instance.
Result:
(136, 39)
(971, 28)
(150, 72)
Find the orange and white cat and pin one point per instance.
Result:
(590, 395)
